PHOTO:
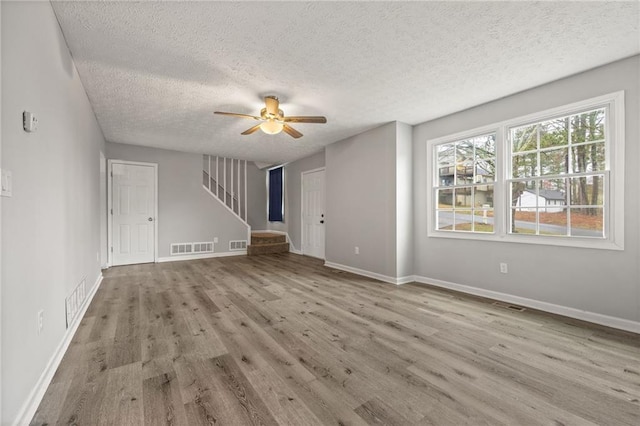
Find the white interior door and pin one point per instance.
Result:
(133, 213)
(313, 213)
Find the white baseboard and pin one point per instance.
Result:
(369, 274)
(201, 256)
(609, 321)
(28, 409)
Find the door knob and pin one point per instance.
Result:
(150, 219)
(322, 221)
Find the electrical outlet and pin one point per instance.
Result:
(40, 321)
(356, 250)
(215, 240)
(503, 268)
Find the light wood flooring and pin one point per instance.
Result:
(281, 339)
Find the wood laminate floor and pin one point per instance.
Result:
(281, 339)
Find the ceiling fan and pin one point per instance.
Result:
(273, 120)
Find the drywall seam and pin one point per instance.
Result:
(30, 405)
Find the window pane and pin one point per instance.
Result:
(483, 221)
(446, 163)
(463, 197)
(523, 195)
(522, 222)
(587, 190)
(588, 158)
(588, 126)
(552, 196)
(483, 196)
(524, 138)
(525, 165)
(444, 220)
(463, 220)
(587, 222)
(552, 222)
(485, 158)
(554, 133)
(554, 162)
(445, 198)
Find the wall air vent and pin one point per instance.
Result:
(237, 245)
(191, 248)
(74, 302)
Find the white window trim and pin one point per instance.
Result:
(615, 157)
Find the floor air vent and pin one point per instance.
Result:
(509, 306)
(237, 245)
(190, 248)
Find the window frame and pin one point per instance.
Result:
(614, 168)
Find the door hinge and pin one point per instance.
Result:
(111, 211)
(111, 174)
(111, 249)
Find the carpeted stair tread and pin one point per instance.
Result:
(269, 248)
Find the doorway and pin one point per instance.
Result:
(313, 220)
(133, 225)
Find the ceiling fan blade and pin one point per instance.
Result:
(235, 114)
(251, 130)
(272, 103)
(291, 131)
(305, 119)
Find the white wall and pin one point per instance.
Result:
(186, 212)
(597, 281)
(293, 197)
(51, 225)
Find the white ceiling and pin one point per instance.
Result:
(156, 71)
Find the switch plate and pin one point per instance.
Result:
(356, 250)
(7, 183)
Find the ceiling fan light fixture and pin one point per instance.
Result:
(271, 127)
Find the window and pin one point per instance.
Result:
(554, 177)
(464, 190)
(276, 189)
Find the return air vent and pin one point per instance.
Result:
(190, 248)
(237, 245)
(74, 302)
(509, 306)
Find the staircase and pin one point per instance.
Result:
(226, 179)
(267, 243)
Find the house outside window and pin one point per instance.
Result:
(554, 177)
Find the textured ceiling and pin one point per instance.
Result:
(156, 71)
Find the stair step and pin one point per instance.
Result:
(259, 238)
(255, 249)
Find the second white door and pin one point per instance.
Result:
(133, 213)
(313, 220)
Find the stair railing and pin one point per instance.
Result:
(226, 179)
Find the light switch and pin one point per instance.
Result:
(7, 184)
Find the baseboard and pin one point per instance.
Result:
(28, 409)
(201, 256)
(606, 320)
(369, 274)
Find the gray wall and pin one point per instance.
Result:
(256, 197)
(186, 212)
(404, 200)
(293, 197)
(361, 201)
(600, 281)
(51, 225)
